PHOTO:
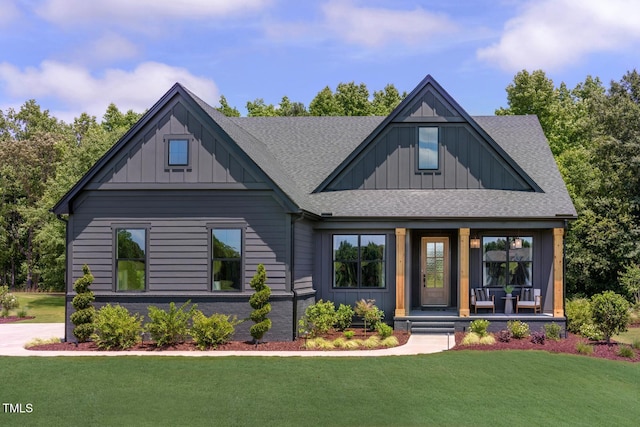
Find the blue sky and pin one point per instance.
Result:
(75, 56)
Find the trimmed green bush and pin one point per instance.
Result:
(349, 334)
(343, 317)
(610, 313)
(552, 331)
(591, 331)
(83, 304)
(115, 328)
(210, 332)
(578, 313)
(626, 351)
(584, 348)
(169, 327)
(479, 327)
(384, 330)
(8, 301)
(518, 329)
(318, 319)
(259, 301)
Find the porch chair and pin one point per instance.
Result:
(480, 298)
(529, 298)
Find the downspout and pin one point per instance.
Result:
(66, 257)
(294, 218)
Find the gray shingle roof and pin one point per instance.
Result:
(310, 148)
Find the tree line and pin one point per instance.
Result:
(593, 132)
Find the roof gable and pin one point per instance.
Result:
(427, 104)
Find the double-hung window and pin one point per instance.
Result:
(507, 261)
(131, 259)
(226, 262)
(359, 260)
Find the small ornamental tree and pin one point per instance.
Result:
(610, 313)
(630, 279)
(259, 301)
(83, 304)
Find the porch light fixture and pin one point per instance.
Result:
(517, 243)
(474, 243)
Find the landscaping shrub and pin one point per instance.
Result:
(636, 343)
(479, 326)
(348, 334)
(610, 313)
(318, 318)
(169, 327)
(504, 336)
(318, 344)
(472, 338)
(384, 330)
(371, 342)
(8, 301)
(368, 311)
(584, 348)
(630, 280)
(626, 351)
(210, 332)
(552, 331)
(259, 301)
(116, 328)
(538, 337)
(343, 317)
(390, 342)
(591, 331)
(578, 313)
(518, 329)
(83, 305)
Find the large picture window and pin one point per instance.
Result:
(131, 259)
(428, 148)
(226, 259)
(507, 260)
(359, 261)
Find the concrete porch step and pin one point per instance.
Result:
(432, 327)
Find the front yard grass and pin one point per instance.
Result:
(47, 308)
(629, 336)
(462, 388)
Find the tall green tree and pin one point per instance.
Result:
(226, 109)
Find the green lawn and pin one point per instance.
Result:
(47, 308)
(462, 388)
(629, 336)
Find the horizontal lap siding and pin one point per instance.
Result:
(178, 239)
(304, 255)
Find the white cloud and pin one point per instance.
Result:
(8, 12)
(138, 12)
(375, 27)
(77, 91)
(110, 47)
(552, 34)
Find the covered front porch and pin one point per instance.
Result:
(463, 269)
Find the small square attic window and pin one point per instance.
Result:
(178, 152)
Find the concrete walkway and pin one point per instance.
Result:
(13, 337)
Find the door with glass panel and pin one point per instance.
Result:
(434, 275)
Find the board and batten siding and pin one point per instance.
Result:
(384, 298)
(144, 158)
(178, 237)
(466, 162)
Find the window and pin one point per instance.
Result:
(178, 152)
(359, 261)
(226, 264)
(131, 259)
(507, 260)
(428, 148)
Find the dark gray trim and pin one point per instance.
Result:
(178, 186)
(436, 223)
(178, 137)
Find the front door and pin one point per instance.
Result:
(434, 259)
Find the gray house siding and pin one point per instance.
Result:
(178, 252)
(466, 162)
(144, 158)
(384, 297)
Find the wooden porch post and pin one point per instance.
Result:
(401, 236)
(558, 272)
(463, 246)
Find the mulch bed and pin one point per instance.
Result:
(567, 345)
(402, 337)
